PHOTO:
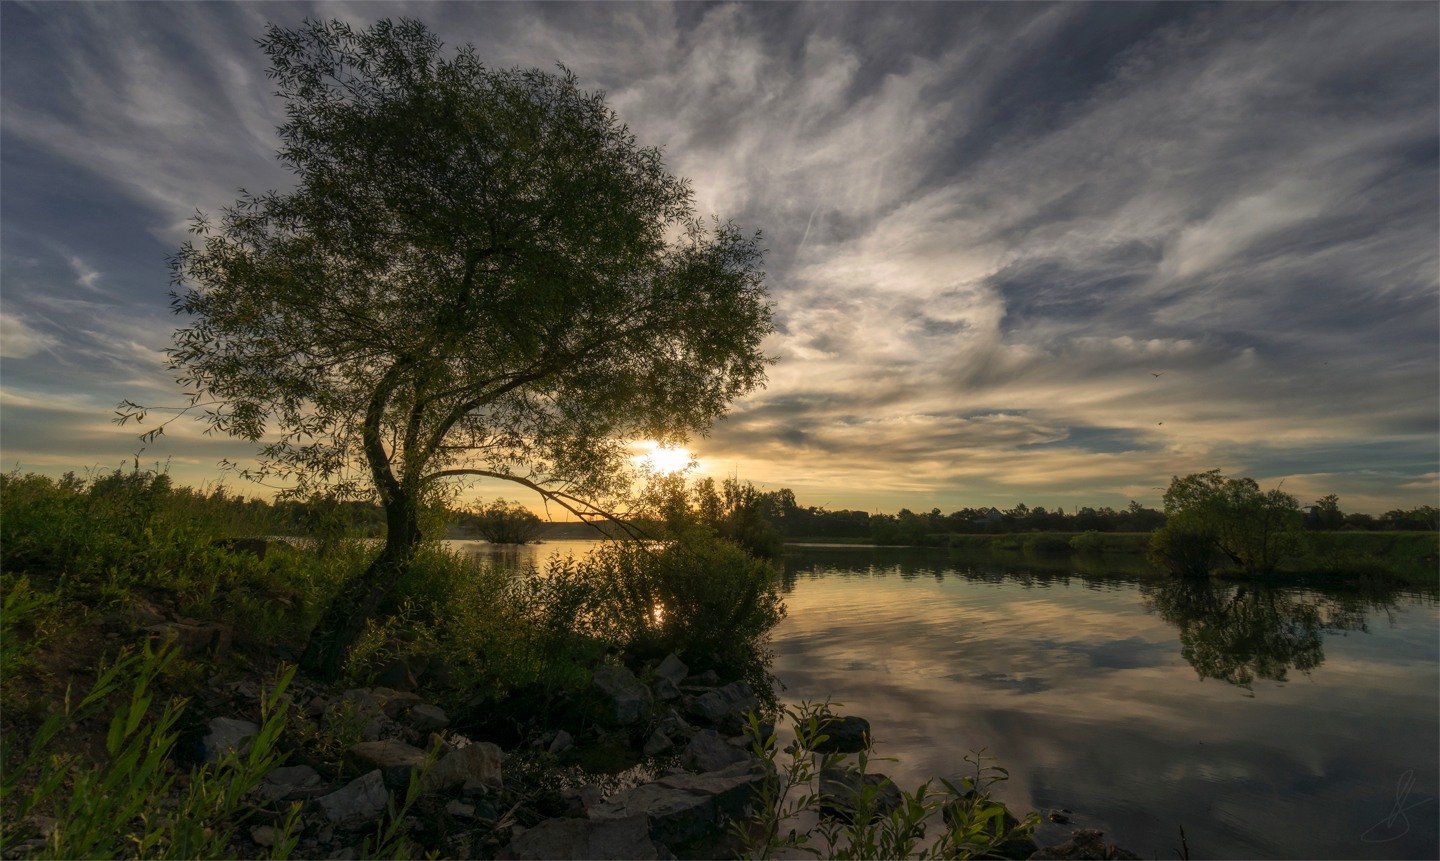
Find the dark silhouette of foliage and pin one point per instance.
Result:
(503, 522)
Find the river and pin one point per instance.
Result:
(1268, 723)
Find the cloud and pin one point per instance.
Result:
(19, 339)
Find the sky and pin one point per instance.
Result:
(1051, 254)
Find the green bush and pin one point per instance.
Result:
(1183, 549)
(1043, 543)
(1088, 541)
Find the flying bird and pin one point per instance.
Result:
(1153, 374)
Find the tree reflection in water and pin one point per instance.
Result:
(1240, 633)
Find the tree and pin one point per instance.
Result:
(1255, 529)
(478, 272)
(503, 522)
(1327, 512)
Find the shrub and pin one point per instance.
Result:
(1047, 544)
(1183, 549)
(1088, 541)
(503, 522)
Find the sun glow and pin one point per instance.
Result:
(664, 459)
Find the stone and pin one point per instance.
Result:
(1059, 817)
(290, 783)
(579, 801)
(626, 838)
(725, 708)
(1086, 843)
(707, 751)
(460, 810)
(707, 679)
(263, 835)
(840, 789)
(227, 735)
(425, 718)
(672, 670)
(629, 699)
(397, 674)
(843, 735)
(562, 742)
(686, 810)
(657, 743)
(357, 803)
(396, 760)
(664, 690)
(478, 763)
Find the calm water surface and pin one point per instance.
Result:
(1268, 723)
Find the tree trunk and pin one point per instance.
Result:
(359, 599)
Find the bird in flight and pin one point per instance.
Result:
(1153, 374)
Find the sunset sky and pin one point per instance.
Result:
(989, 228)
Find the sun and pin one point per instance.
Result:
(664, 459)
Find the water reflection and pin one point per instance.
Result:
(1240, 633)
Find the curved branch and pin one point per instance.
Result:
(564, 500)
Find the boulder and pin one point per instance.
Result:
(396, 760)
(672, 670)
(460, 810)
(585, 838)
(725, 708)
(398, 675)
(843, 735)
(226, 735)
(686, 810)
(664, 690)
(841, 788)
(657, 743)
(477, 763)
(1085, 843)
(291, 783)
(425, 718)
(562, 742)
(629, 699)
(357, 803)
(707, 751)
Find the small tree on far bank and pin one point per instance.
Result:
(479, 272)
(503, 522)
(1207, 512)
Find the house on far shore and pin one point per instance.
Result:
(991, 515)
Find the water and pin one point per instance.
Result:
(1269, 724)
(1284, 723)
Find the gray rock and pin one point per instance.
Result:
(629, 699)
(562, 742)
(579, 801)
(664, 690)
(397, 674)
(686, 810)
(357, 803)
(707, 751)
(460, 810)
(263, 835)
(671, 670)
(395, 759)
(425, 718)
(726, 708)
(477, 763)
(226, 735)
(843, 735)
(657, 743)
(586, 838)
(290, 783)
(841, 788)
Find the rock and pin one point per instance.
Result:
(586, 838)
(460, 810)
(425, 718)
(478, 763)
(686, 809)
(357, 803)
(630, 699)
(1059, 817)
(290, 783)
(707, 751)
(397, 703)
(672, 670)
(226, 735)
(397, 674)
(263, 835)
(396, 760)
(562, 742)
(840, 789)
(579, 801)
(1086, 843)
(664, 690)
(657, 743)
(707, 679)
(726, 708)
(843, 735)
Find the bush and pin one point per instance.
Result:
(1047, 544)
(503, 522)
(701, 597)
(1182, 549)
(1088, 541)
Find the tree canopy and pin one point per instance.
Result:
(478, 271)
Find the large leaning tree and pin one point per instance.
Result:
(478, 272)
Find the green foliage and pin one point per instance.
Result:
(117, 807)
(1255, 529)
(790, 814)
(1047, 544)
(701, 597)
(503, 522)
(1182, 548)
(734, 510)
